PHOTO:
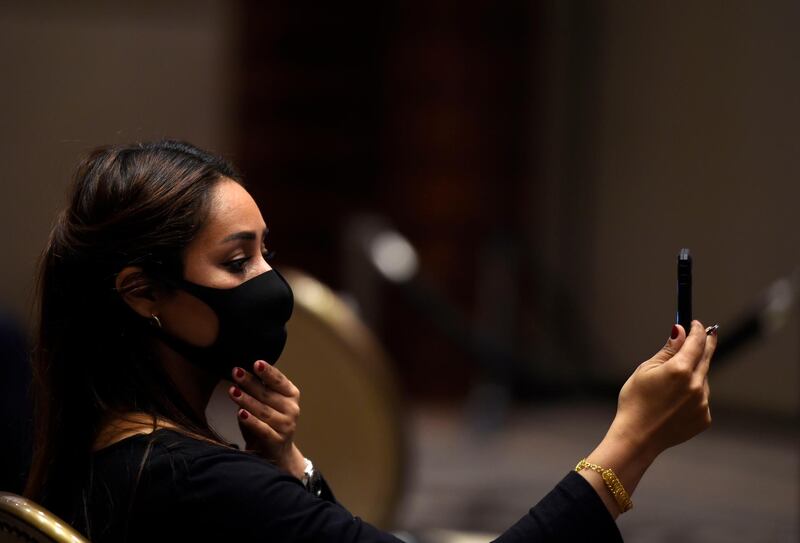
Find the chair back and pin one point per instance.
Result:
(22, 520)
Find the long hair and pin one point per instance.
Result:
(129, 205)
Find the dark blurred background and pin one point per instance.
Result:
(546, 160)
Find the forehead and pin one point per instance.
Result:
(231, 209)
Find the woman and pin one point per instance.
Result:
(155, 284)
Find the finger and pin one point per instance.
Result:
(256, 388)
(708, 352)
(258, 429)
(673, 345)
(280, 422)
(274, 379)
(692, 350)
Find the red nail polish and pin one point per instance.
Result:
(675, 332)
(243, 414)
(239, 372)
(236, 392)
(260, 366)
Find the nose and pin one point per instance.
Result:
(262, 266)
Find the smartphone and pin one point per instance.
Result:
(684, 314)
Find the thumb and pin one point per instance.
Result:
(673, 344)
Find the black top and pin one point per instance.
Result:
(191, 490)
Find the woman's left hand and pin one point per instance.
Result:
(269, 407)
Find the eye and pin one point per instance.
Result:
(237, 265)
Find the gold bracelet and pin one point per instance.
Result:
(612, 482)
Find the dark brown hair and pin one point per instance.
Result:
(129, 205)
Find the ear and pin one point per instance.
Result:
(138, 291)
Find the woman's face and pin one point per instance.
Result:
(229, 249)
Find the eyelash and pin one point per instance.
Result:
(237, 265)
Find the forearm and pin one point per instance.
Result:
(627, 458)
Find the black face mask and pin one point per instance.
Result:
(252, 323)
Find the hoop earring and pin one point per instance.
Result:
(154, 321)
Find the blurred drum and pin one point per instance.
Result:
(351, 422)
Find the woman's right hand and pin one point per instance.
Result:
(269, 410)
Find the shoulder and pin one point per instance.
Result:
(200, 461)
(170, 463)
(189, 486)
(229, 492)
(205, 472)
(203, 491)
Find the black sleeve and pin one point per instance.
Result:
(572, 511)
(257, 502)
(239, 497)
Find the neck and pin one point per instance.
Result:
(194, 384)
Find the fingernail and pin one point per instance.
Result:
(675, 332)
(260, 366)
(239, 373)
(243, 414)
(712, 330)
(236, 392)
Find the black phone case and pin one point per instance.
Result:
(684, 314)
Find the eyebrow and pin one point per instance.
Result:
(247, 235)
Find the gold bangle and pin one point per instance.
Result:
(612, 482)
